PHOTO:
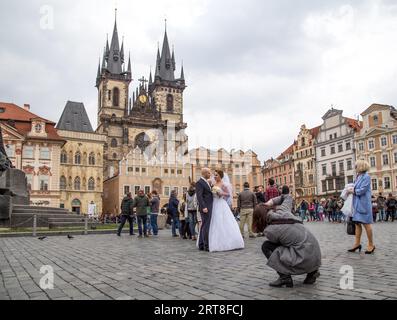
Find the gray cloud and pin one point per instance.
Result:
(257, 68)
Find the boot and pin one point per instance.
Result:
(311, 277)
(283, 280)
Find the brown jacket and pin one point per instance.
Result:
(246, 200)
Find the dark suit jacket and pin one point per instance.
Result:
(204, 195)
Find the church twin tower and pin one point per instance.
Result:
(156, 103)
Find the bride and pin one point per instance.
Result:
(224, 234)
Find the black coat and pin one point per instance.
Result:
(205, 198)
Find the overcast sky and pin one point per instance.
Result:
(256, 70)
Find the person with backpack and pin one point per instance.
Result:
(391, 204)
(126, 214)
(192, 206)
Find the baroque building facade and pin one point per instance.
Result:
(81, 162)
(335, 153)
(34, 146)
(281, 169)
(304, 162)
(376, 142)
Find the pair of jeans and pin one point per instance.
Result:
(149, 223)
(381, 214)
(390, 213)
(192, 222)
(303, 214)
(142, 221)
(124, 219)
(153, 222)
(175, 224)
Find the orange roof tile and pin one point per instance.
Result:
(355, 124)
(16, 113)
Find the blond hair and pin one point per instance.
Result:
(362, 166)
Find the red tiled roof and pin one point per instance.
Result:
(355, 124)
(23, 118)
(315, 131)
(16, 113)
(290, 150)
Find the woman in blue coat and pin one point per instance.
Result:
(362, 206)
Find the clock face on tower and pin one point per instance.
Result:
(142, 99)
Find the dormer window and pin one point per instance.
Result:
(376, 120)
(38, 127)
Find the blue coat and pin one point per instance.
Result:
(362, 205)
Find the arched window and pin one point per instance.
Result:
(116, 97)
(113, 143)
(62, 183)
(170, 103)
(64, 157)
(77, 183)
(91, 159)
(91, 184)
(77, 158)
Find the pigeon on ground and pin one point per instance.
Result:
(42, 238)
(70, 237)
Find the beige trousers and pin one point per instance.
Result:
(246, 216)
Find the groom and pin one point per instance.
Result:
(205, 199)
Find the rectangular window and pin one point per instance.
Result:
(350, 179)
(165, 171)
(374, 184)
(387, 183)
(184, 190)
(176, 189)
(10, 150)
(167, 191)
(385, 159)
(361, 146)
(330, 185)
(332, 149)
(323, 152)
(333, 166)
(126, 189)
(383, 141)
(349, 164)
(43, 181)
(28, 152)
(348, 146)
(395, 139)
(341, 167)
(137, 170)
(372, 162)
(179, 171)
(324, 185)
(130, 169)
(340, 147)
(29, 180)
(172, 171)
(324, 167)
(45, 153)
(147, 189)
(371, 144)
(136, 189)
(395, 157)
(143, 170)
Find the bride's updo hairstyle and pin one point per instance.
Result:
(220, 172)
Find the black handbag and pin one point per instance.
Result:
(351, 227)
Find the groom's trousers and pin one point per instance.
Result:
(205, 230)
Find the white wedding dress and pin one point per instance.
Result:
(224, 234)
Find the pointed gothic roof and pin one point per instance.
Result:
(165, 65)
(74, 118)
(114, 60)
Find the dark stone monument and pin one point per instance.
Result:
(13, 185)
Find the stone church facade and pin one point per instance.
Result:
(146, 145)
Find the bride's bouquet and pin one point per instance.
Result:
(216, 191)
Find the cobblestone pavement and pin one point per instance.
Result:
(108, 267)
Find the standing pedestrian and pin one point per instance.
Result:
(192, 207)
(312, 211)
(173, 205)
(260, 196)
(154, 208)
(362, 208)
(271, 191)
(303, 209)
(141, 203)
(246, 204)
(381, 203)
(391, 204)
(127, 205)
